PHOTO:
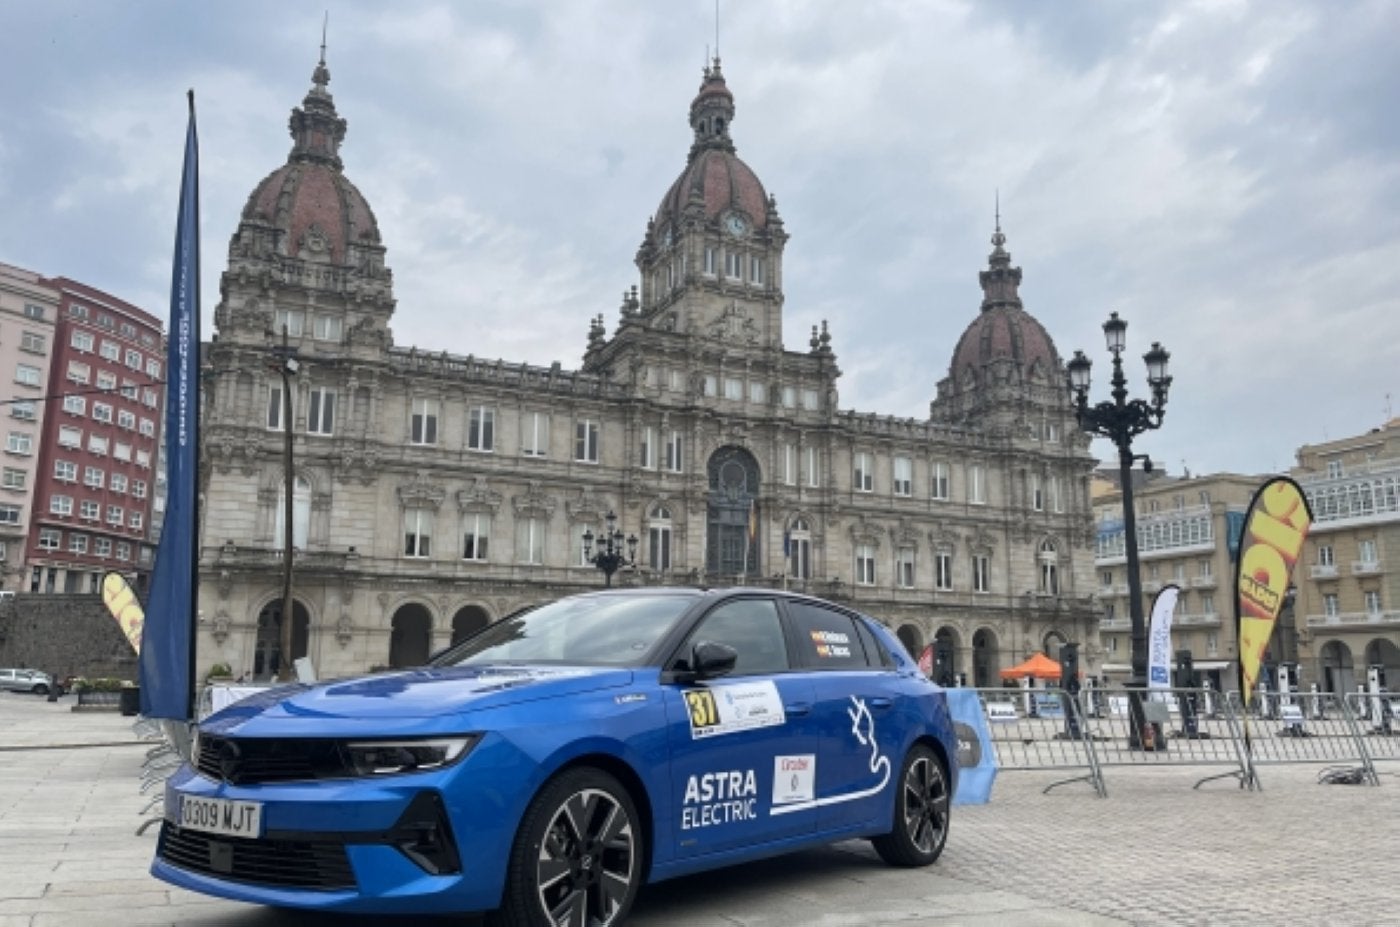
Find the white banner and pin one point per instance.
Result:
(1159, 638)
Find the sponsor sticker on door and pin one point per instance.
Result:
(794, 778)
(726, 709)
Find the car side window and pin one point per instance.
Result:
(826, 638)
(875, 650)
(752, 627)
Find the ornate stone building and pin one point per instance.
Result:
(435, 493)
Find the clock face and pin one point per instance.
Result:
(735, 224)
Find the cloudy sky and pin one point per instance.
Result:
(1224, 174)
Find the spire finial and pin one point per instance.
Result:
(716, 30)
(325, 23)
(998, 239)
(998, 208)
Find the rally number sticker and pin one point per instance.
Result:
(726, 709)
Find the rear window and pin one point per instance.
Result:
(826, 638)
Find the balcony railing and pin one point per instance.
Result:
(1203, 620)
(1365, 567)
(1322, 571)
(1354, 619)
(1203, 582)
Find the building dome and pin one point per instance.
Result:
(1003, 331)
(715, 181)
(316, 212)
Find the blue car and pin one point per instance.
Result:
(547, 767)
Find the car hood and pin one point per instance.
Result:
(430, 692)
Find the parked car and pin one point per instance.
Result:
(25, 680)
(553, 763)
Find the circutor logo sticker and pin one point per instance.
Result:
(794, 778)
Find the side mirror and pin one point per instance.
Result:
(709, 659)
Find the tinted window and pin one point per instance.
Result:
(827, 639)
(874, 650)
(752, 628)
(618, 630)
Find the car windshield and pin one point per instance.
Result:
(602, 629)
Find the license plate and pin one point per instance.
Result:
(221, 816)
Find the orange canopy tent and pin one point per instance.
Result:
(1039, 666)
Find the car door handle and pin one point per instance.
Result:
(798, 708)
(879, 702)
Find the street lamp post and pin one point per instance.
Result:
(609, 557)
(287, 369)
(1120, 421)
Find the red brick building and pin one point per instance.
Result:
(96, 484)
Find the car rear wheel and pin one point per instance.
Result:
(577, 859)
(920, 812)
(40, 689)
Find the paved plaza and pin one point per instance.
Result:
(1154, 852)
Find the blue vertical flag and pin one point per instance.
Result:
(167, 640)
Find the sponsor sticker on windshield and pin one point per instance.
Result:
(726, 709)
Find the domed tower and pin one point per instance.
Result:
(711, 258)
(307, 252)
(1006, 374)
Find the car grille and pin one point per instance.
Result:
(278, 863)
(246, 761)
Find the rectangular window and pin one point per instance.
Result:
(118, 482)
(789, 465)
(904, 568)
(148, 398)
(481, 429)
(274, 407)
(123, 550)
(710, 260)
(529, 540)
(647, 457)
(320, 415)
(77, 543)
(733, 388)
(24, 410)
(863, 480)
(115, 515)
(799, 547)
(291, 320)
(106, 380)
(68, 436)
(1373, 602)
(1366, 551)
(110, 350)
(1207, 604)
(789, 397)
(97, 444)
(417, 533)
(758, 392)
(33, 311)
(586, 441)
(133, 359)
(134, 521)
(1329, 605)
(33, 342)
(328, 328)
(121, 450)
(79, 373)
(153, 369)
(102, 547)
(12, 478)
(976, 484)
(81, 341)
(94, 477)
(101, 412)
(943, 570)
(19, 443)
(75, 405)
(127, 329)
(476, 534)
(814, 469)
(534, 434)
(981, 573)
(675, 448)
(710, 385)
(1037, 493)
(733, 264)
(61, 505)
(50, 539)
(903, 476)
(148, 428)
(659, 547)
(756, 270)
(138, 488)
(28, 375)
(88, 510)
(865, 564)
(9, 514)
(939, 480)
(126, 419)
(423, 424)
(143, 458)
(1324, 555)
(811, 400)
(1057, 499)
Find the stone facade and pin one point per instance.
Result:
(435, 493)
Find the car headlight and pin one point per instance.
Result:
(391, 757)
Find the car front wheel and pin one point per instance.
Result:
(920, 812)
(577, 859)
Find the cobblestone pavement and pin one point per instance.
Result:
(1156, 852)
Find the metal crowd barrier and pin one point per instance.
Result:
(1311, 728)
(1036, 729)
(1378, 722)
(170, 746)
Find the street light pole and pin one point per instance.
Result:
(287, 368)
(1120, 421)
(609, 556)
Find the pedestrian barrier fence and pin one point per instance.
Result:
(170, 746)
(1102, 729)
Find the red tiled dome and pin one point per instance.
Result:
(317, 209)
(1003, 330)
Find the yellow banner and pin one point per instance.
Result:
(1275, 527)
(126, 610)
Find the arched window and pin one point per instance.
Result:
(659, 537)
(733, 517)
(301, 514)
(1049, 568)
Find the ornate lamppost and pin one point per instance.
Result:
(609, 557)
(1120, 421)
(287, 368)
